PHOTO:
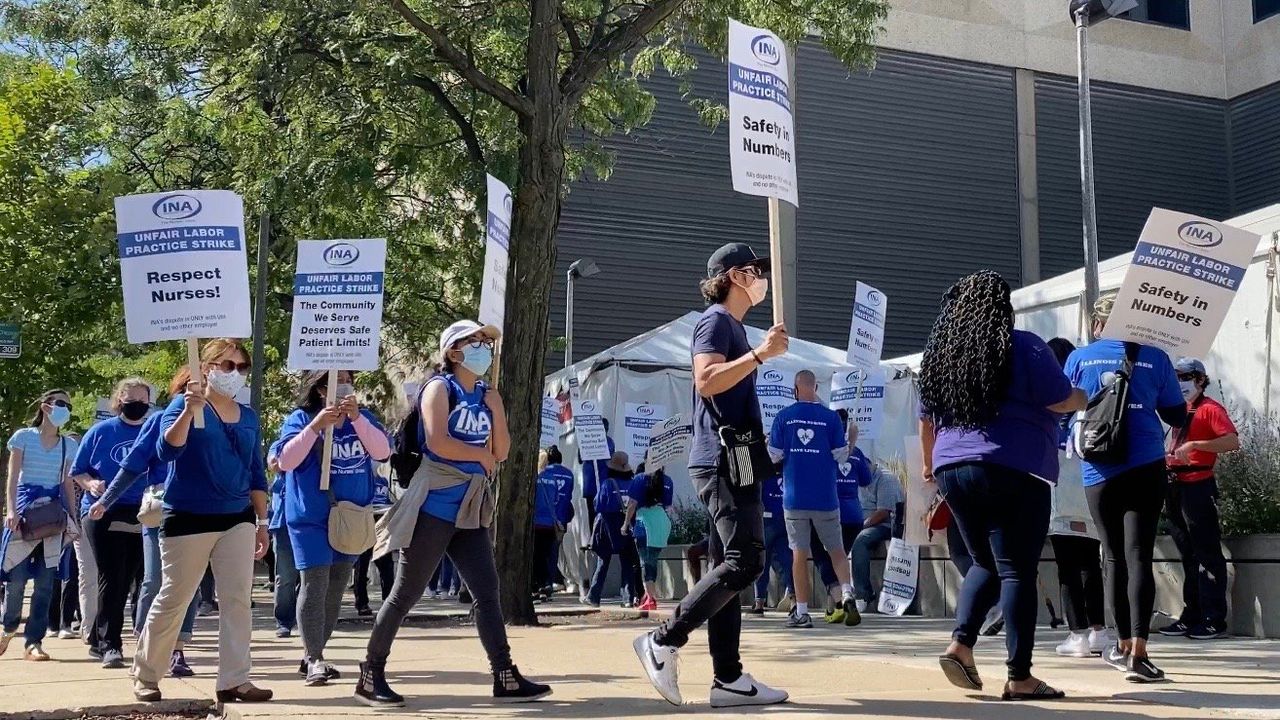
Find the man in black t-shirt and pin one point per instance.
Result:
(724, 378)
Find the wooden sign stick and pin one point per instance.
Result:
(775, 258)
(326, 452)
(193, 364)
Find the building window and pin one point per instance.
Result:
(1263, 9)
(1172, 13)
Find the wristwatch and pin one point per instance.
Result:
(263, 522)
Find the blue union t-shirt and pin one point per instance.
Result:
(851, 476)
(470, 421)
(1154, 385)
(720, 333)
(806, 433)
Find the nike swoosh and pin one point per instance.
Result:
(744, 693)
(654, 659)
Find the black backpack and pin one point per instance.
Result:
(1102, 437)
(406, 441)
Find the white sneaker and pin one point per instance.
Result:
(660, 664)
(746, 690)
(862, 605)
(67, 633)
(1100, 640)
(1076, 645)
(112, 659)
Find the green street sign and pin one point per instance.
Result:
(10, 340)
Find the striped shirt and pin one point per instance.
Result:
(40, 466)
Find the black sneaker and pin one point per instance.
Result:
(851, 615)
(1116, 658)
(464, 596)
(1175, 629)
(1142, 670)
(316, 674)
(1208, 631)
(511, 686)
(372, 688)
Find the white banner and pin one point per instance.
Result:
(183, 266)
(762, 153)
(866, 407)
(901, 574)
(550, 422)
(1185, 273)
(337, 305)
(775, 390)
(497, 235)
(588, 424)
(637, 418)
(669, 441)
(866, 331)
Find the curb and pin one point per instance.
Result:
(161, 708)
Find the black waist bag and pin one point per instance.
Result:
(744, 454)
(1102, 437)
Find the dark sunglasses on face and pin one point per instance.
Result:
(1183, 377)
(752, 271)
(227, 366)
(60, 403)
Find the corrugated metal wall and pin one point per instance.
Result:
(1255, 149)
(1150, 149)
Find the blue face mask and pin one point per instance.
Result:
(59, 415)
(477, 359)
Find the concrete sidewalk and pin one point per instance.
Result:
(885, 668)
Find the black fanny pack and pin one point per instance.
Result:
(744, 454)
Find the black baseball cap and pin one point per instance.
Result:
(735, 255)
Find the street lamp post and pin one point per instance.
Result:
(1087, 13)
(581, 268)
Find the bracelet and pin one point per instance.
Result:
(756, 357)
(263, 522)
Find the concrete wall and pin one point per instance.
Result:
(1223, 55)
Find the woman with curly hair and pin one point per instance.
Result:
(990, 400)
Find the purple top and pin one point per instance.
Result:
(1024, 434)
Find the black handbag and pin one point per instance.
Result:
(744, 453)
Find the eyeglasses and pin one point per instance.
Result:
(751, 270)
(486, 342)
(1183, 377)
(60, 403)
(227, 366)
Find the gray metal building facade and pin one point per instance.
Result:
(909, 179)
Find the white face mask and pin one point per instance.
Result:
(757, 290)
(226, 383)
(1189, 389)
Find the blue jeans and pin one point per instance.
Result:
(863, 545)
(777, 555)
(624, 546)
(1003, 515)
(288, 581)
(41, 596)
(151, 579)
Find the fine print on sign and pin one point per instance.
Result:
(588, 423)
(861, 392)
(775, 390)
(10, 340)
(550, 422)
(337, 305)
(901, 575)
(866, 330)
(669, 441)
(182, 265)
(493, 288)
(762, 153)
(1184, 274)
(637, 419)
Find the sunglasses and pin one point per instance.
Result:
(227, 366)
(751, 270)
(60, 403)
(1183, 377)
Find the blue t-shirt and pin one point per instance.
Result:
(720, 333)
(470, 421)
(610, 496)
(1024, 434)
(1154, 385)
(851, 476)
(219, 466)
(553, 492)
(103, 450)
(143, 461)
(592, 470)
(806, 434)
(772, 494)
(275, 517)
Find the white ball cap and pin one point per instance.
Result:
(465, 329)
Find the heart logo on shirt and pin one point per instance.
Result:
(845, 469)
(805, 435)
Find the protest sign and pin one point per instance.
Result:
(550, 422)
(669, 442)
(775, 390)
(861, 392)
(337, 305)
(10, 340)
(573, 390)
(102, 411)
(637, 418)
(762, 155)
(497, 234)
(1184, 274)
(866, 330)
(901, 575)
(588, 423)
(182, 265)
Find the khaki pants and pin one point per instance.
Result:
(183, 560)
(88, 588)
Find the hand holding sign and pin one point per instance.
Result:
(776, 343)
(325, 419)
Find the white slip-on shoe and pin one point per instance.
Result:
(1076, 645)
(1100, 640)
(746, 690)
(660, 664)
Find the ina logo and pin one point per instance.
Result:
(506, 203)
(349, 453)
(805, 435)
(772, 376)
(469, 422)
(874, 298)
(766, 49)
(645, 410)
(853, 377)
(588, 407)
(340, 254)
(176, 207)
(1200, 234)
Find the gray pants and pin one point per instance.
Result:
(472, 554)
(319, 601)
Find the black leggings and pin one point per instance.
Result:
(1080, 581)
(1126, 509)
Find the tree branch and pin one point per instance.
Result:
(468, 130)
(571, 32)
(579, 76)
(459, 61)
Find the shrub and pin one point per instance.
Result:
(690, 522)
(1249, 479)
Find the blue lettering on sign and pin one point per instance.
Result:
(766, 50)
(759, 85)
(1200, 234)
(176, 207)
(369, 283)
(340, 254)
(868, 313)
(1189, 264)
(178, 239)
